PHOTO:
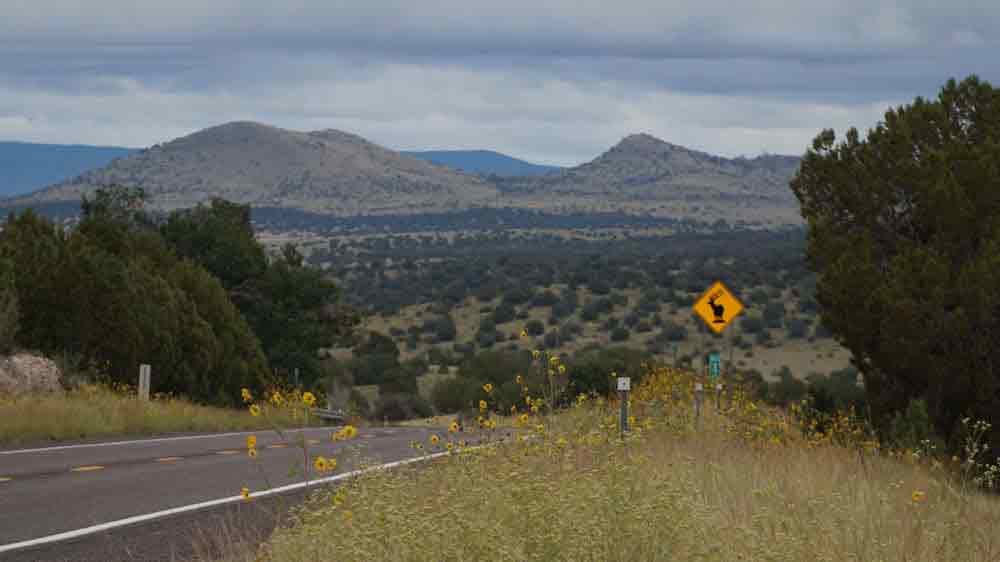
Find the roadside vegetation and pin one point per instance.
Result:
(750, 482)
(94, 411)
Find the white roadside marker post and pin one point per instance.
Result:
(624, 386)
(144, 376)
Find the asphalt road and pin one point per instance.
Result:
(47, 491)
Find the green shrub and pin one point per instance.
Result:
(620, 334)
(399, 406)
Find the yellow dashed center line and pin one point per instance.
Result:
(227, 453)
(277, 446)
(5, 479)
(87, 468)
(168, 459)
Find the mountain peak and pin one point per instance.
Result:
(642, 141)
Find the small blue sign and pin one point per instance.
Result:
(714, 365)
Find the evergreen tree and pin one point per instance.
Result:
(904, 234)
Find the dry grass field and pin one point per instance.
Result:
(95, 411)
(748, 483)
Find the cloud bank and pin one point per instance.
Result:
(553, 82)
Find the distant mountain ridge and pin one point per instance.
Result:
(27, 167)
(484, 162)
(325, 171)
(341, 174)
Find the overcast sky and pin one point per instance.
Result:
(553, 82)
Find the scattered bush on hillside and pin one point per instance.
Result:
(620, 334)
(797, 328)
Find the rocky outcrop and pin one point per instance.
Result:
(23, 373)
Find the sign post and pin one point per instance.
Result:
(145, 372)
(698, 391)
(624, 386)
(714, 374)
(718, 308)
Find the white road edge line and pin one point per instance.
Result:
(156, 440)
(212, 503)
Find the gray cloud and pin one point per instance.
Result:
(554, 82)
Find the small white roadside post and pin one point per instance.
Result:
(145, 371)
(624, 386)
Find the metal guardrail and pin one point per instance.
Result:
(330, 415)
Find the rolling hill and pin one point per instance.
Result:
(331, 172)
(327, 171)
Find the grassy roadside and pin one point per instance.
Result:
(93, 412)
(752, 484)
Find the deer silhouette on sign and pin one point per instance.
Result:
(718, 310)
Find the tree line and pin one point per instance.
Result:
(193, 294)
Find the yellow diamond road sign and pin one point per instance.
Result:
(717, 307)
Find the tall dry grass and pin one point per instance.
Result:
(95, 411)
(750, 484)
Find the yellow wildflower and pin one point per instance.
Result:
(524, 418)
(917, 496)
(435, 439)
(488, 388)
(252, 452)
(246, 395)
(524, 333)
(535, 354)
(320, 464)
(308, 399)
(450, 446)
(254, 410)
(482, 405)
(453, 428)
(562, 369)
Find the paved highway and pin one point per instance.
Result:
(45, 492)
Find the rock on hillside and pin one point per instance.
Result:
(325, 171)
(22, 373)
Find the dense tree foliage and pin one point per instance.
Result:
(904, 233)
(111, 292)
(291, 307)
(10, 314)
